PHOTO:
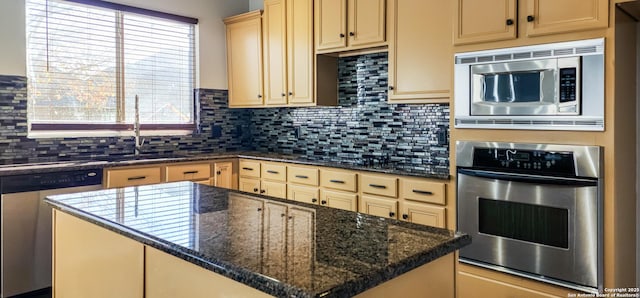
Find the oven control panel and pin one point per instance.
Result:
(529, 161)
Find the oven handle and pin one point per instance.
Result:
(529, 178)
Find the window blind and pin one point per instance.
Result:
(87, 63)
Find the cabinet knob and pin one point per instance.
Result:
(509, 22)
(259, 96)
(323, 202)
(314, 200)
(530, 18)
(390, 87)
(262, 191)
(392, 214)
(290, 93)
(352, 34)
(405, 216)
(283, 215)
(283, 95)
(290, 217)
(218, 173)
(341, 35)
(259, 209)
(255, 190)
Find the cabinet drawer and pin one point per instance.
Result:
(379, 185)
(199, 171)
(275, 172)
(424, 214)
(300, 175)
(250, 168)
(304, 194)
(338, 199)
(379, 206)
(470, 285)
(422, 191)
(132, 177)
(341, 180)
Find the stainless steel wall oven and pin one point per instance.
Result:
(533, 210)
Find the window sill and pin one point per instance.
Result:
(49, 134)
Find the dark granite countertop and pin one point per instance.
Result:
(330, 252)
(392, 168)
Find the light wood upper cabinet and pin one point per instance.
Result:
(478, 21)
(342, 25)
(553, 16)
(288, 52)
(484, 20)
(420, 51)
(244, 59)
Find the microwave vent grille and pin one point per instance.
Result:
(502, 57)
(528, 124)
(587, 50)
(562, 52)
(467, 60)
(485, 59)
(525, 55)
(539, 54)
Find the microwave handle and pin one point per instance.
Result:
(527, 178)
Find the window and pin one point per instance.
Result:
(88, 59)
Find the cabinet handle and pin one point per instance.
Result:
(290, 93)
(259, 96)
(290, 217)
(423, 192)
(341, 35)
(137, 178)
(272, 172)
(323, 202)
(283, 215)
(377, 186)
(392, 214)
(314, 200)
(283, 95)
(248, 169)
(530, 18)
(405, 216)
(259, 209)
(302, 176)
(218, 173)
(255, 190)
(337, 181)
(262, 191)
(390, 87)
(352, 34)
(190, 172)
(509, 22)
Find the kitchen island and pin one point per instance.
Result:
(184, 239)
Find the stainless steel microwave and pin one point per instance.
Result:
(556, 86)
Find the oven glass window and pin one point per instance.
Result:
(526, 222)
(512, 87)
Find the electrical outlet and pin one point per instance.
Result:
(442, 135)
(216, 131)
(297, 132)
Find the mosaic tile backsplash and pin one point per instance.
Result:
(16, 147)
(364, 125)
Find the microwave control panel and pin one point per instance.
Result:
(568, 83)
(529, 161)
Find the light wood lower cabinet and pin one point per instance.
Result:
(423, 191)
(223, 174)
(423, 214)
(90, 261)
(132, 176)
(379, 206)
(304, 194)
(339, 199)
(188, 172)
(249, 185)
(339, 179)
(273, 189)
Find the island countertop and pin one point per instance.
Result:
(331, 252)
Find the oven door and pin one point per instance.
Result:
(540, 227)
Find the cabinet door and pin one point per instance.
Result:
(552, 16)
(245, 231)
(484, 20)
(274, 241)
(249, 185)
(420, 51)
(300, 52)
(378, 206)
(223, 174)
(301, 245)
(330, 24)
(275, 52)
(304, 194)
(90, 261)
(338, 199)
(423, 214)
(274, 189)
(366, 22)
(244, 60)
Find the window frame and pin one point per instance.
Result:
(119, 125)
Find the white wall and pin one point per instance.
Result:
(256, 4)
(212, 49)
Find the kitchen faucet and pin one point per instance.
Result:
(136, 128)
